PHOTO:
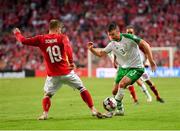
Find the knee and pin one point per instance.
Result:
(48, 94)
(122, 85)
(81, 88)
(150, 83)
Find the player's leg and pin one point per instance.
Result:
(130, 76)
(131, 89)
(120, 109)
(154, 90)
(115, 89)
(74, 81)
(144, 89)
(125, 81)
(50, 87)
(46, 103)
(145, 77)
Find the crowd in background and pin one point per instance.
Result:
(156, 21)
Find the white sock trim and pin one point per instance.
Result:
(120, 94)
(82, 89)
(143, 87)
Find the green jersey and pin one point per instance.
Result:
(126, 51)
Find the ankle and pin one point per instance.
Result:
(45, 113)
(93, 109)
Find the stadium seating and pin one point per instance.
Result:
(85, 20)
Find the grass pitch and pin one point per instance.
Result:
(20, 105)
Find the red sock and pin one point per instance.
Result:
(153, 88)
(46, 103)
(133, 93)
(87, 98)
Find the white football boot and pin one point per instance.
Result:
(96, 113)
(44, 116)
(107, 114)
(149, 98)
(120, 109)
(119, 112)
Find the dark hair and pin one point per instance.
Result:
(130, 27)
(54, 23)
(112, 26)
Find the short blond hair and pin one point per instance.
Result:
(54, 24)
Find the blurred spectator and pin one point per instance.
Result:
(86, 20)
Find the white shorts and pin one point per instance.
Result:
(145, 76)
(52, 84)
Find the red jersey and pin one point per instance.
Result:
(56, 50)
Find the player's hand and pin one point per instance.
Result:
(16, 30)
(153, 66)
(90, 45)
(72, 66)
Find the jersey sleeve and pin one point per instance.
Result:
(33, 41)
(68, 49)
(133, 37)
(108, 48)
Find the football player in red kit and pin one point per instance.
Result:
(57, 53)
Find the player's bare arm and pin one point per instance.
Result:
(95, 51)
(115, 63)
(143, 44)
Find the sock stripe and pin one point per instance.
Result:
(82, 89)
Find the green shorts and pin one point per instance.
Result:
(133, 73)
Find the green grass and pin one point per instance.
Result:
(20, 105)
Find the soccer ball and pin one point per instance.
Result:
(109, 104)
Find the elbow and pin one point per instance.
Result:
(99, 55)
(23, 41)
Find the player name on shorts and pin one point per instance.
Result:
(47, 41)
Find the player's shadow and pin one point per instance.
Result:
(70, 118)
(53, 119)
